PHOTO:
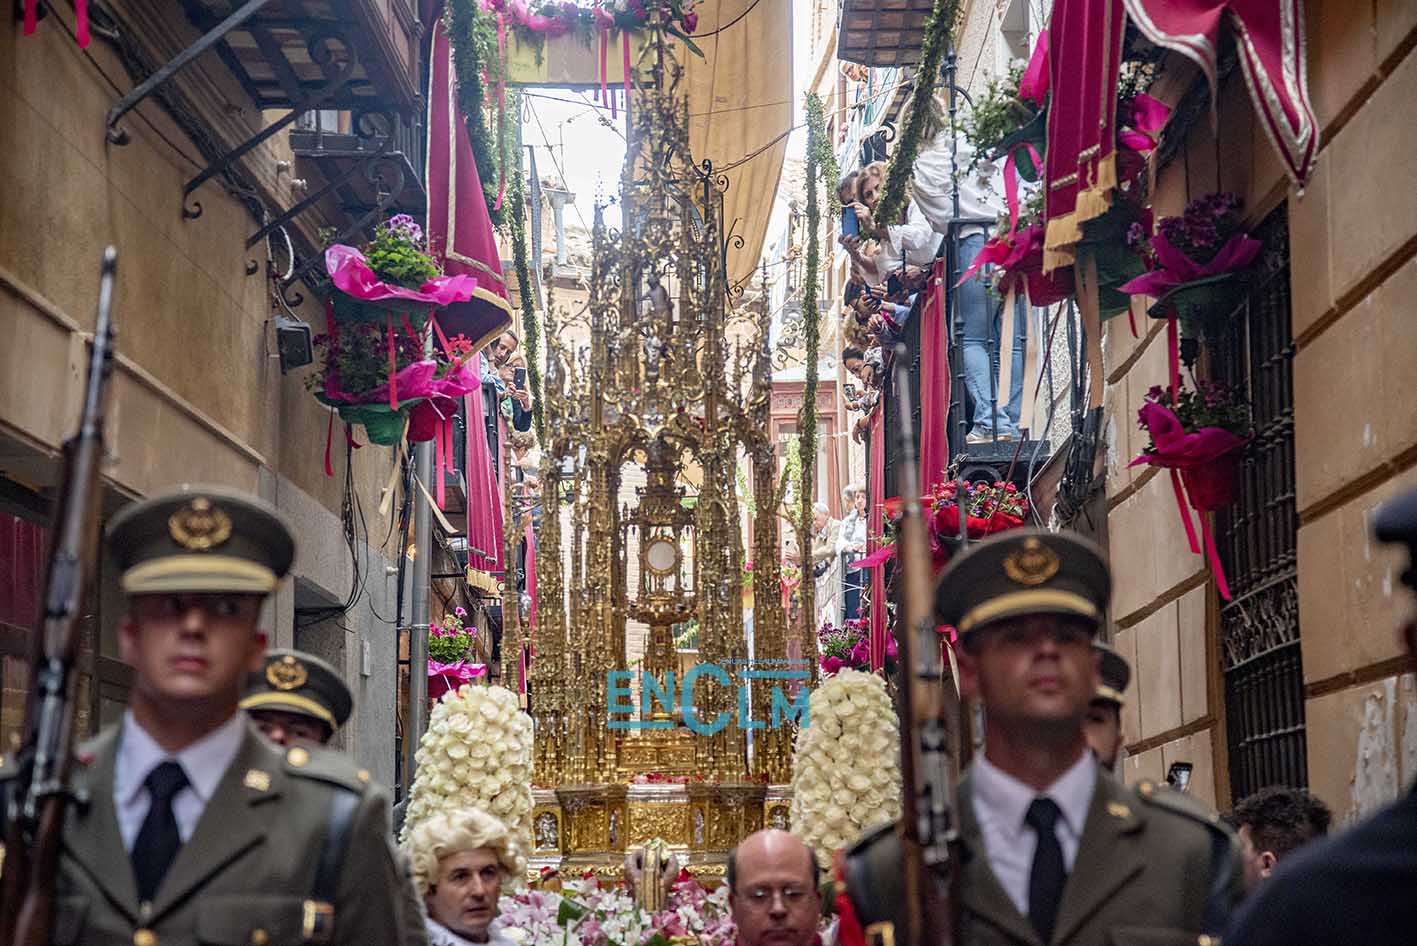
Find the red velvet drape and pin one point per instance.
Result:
(934, 382)
(875, 478)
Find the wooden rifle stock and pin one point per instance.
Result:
(40, 796)
(930, 715)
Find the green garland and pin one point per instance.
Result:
(821, 144)
(812, 322)
(902, 166)
(530, 327)
(473, 36)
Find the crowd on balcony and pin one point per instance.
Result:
(891, 266)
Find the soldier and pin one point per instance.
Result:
(297, 697)
(194, 828)
(1051, 849)
(1103, 724)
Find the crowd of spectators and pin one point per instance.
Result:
(892, 261)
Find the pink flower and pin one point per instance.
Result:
(691, 21)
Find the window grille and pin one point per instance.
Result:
(1256, 535)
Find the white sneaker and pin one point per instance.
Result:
(978, 436)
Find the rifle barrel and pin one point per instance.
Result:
(40, 796)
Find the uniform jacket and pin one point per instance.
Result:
(246, 872)
(1153, 868)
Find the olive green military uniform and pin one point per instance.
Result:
(292, 846)
(247, 874)
(293, 681)
(1154, 868)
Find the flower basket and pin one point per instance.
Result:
(1203, 457)
(1193, 301)
(1215, 484)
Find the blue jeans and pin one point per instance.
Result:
(981, 344)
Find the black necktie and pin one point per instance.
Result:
(1045, 881)
(158, 840)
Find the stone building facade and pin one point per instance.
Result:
(1300, 678)
(198, 394)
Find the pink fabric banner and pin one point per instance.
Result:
(1270, 36)
(875, 480)
(934, 383)
(458, 221)
(484, 494)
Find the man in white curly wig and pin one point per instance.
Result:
(460, 859)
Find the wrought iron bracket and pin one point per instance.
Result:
(388, 193)
(342, 74)
(152, 83)
(385, 143)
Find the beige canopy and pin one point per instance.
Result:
(740, 102)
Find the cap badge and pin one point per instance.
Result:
(287, 673)
(199, 526)
(1033, 564)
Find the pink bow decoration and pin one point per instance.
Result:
(1175, 268)
(1020, 257)
(879, 557)
(445, 677)
(1143, 123)
(1206, 461)
(353, 277)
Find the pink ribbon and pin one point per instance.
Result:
(1011, 180)
(1194, 454)
(604, 21)
(353, 277)
(1034, 85)
(1174, 268)
(329, 438)
(1146, 118)
(31, 17)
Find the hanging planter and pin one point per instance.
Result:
(377, 373)
(1200, 437)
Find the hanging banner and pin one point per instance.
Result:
(1084, 56)
(1270, 36)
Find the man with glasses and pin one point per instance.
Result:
(772, 890)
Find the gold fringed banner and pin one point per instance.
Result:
(1085, 54)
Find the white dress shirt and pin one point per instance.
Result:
(912, 242)
(204, 762)
(1000, 806)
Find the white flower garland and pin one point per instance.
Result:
(846, 765)
(475, 754)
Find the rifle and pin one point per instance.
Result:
(921, 848)
(40, 796)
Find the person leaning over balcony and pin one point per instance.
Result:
(1357, 887)
(461, 858)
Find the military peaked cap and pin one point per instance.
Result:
(1116, 674)
(201, 539)
(1024, 571)
(293, 681)
(1397, 522)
